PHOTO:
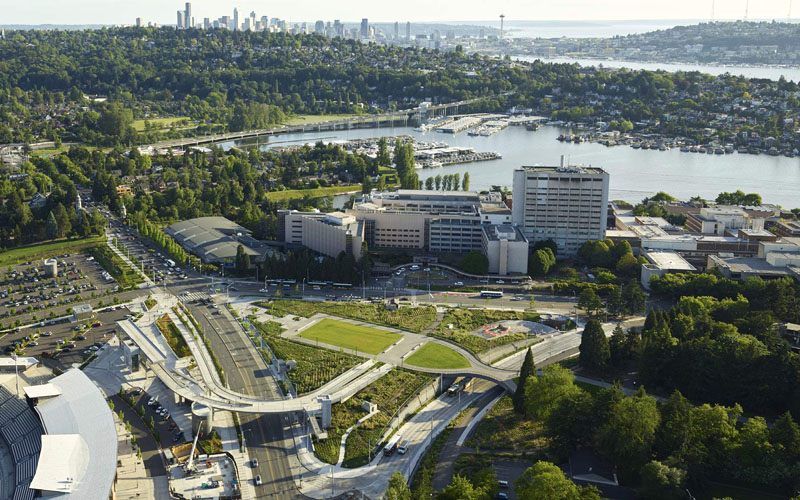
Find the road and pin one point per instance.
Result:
(245, 371)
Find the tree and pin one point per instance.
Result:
(465, 182)
(628, 435)
(438, 181)
(541, 261)
(366, 186)
(429, 183)
(545, 481)
(594, 349)
(242, 261)
(528, 369)
(461, 488)
(634, 297)
(662, 482)
(590, 302)
(397, 488)
(543, 393)
(614, 303)
(51, 227)
(384, 160)
(475, 263)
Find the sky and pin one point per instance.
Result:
(163, 11)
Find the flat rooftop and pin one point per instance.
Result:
(572, 169)
(668, 261)
(750, 265)
(214, 478)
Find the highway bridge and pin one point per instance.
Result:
(401, 117)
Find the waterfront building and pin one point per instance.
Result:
(567, 204)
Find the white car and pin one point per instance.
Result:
(500, 282)
(458, 283)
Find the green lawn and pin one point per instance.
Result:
(44, 250)
(304, 119)
(413, 319)
(158, 123)
(350, 336)
(433, 355)
(291, 194)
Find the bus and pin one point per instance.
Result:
(342, 286)
(391, 446)
(320, 284)
(460, 386)
(491, 294)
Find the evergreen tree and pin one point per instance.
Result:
(51, 227)
(528, 369)
(594, 349)
(465, 182)
(242, 261)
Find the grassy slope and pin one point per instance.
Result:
(44, 250)
(291, 194)
(433, 355)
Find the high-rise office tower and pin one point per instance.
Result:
(338, 27)
(179, 24)
(187, 16)
(138, 22)
(236, 25)
(252, 20)
(265, 23)
(365, 28)
(319, 27)
(396, 30)
(567, 204)
(408, 31)
(206, 23)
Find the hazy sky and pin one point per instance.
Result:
(163, 11)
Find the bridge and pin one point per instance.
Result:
(401, 117)
(170, 370)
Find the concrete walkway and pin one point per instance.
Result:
(347, 434)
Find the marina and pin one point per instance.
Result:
(635, 173)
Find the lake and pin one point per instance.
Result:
(766, 72)
(635, 174)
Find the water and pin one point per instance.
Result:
(635, 174)
(771, 73)
(595, 28)
(587, 29)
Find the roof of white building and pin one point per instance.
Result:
(78, 460)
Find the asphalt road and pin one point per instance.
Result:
(246, 371)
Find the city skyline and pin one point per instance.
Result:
(152, 11)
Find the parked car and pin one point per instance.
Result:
(258, 480)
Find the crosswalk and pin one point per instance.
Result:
(195, 296)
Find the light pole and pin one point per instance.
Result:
(16, 373)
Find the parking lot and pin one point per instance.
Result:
(25, 289)
(60, 340)
(154, 261)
